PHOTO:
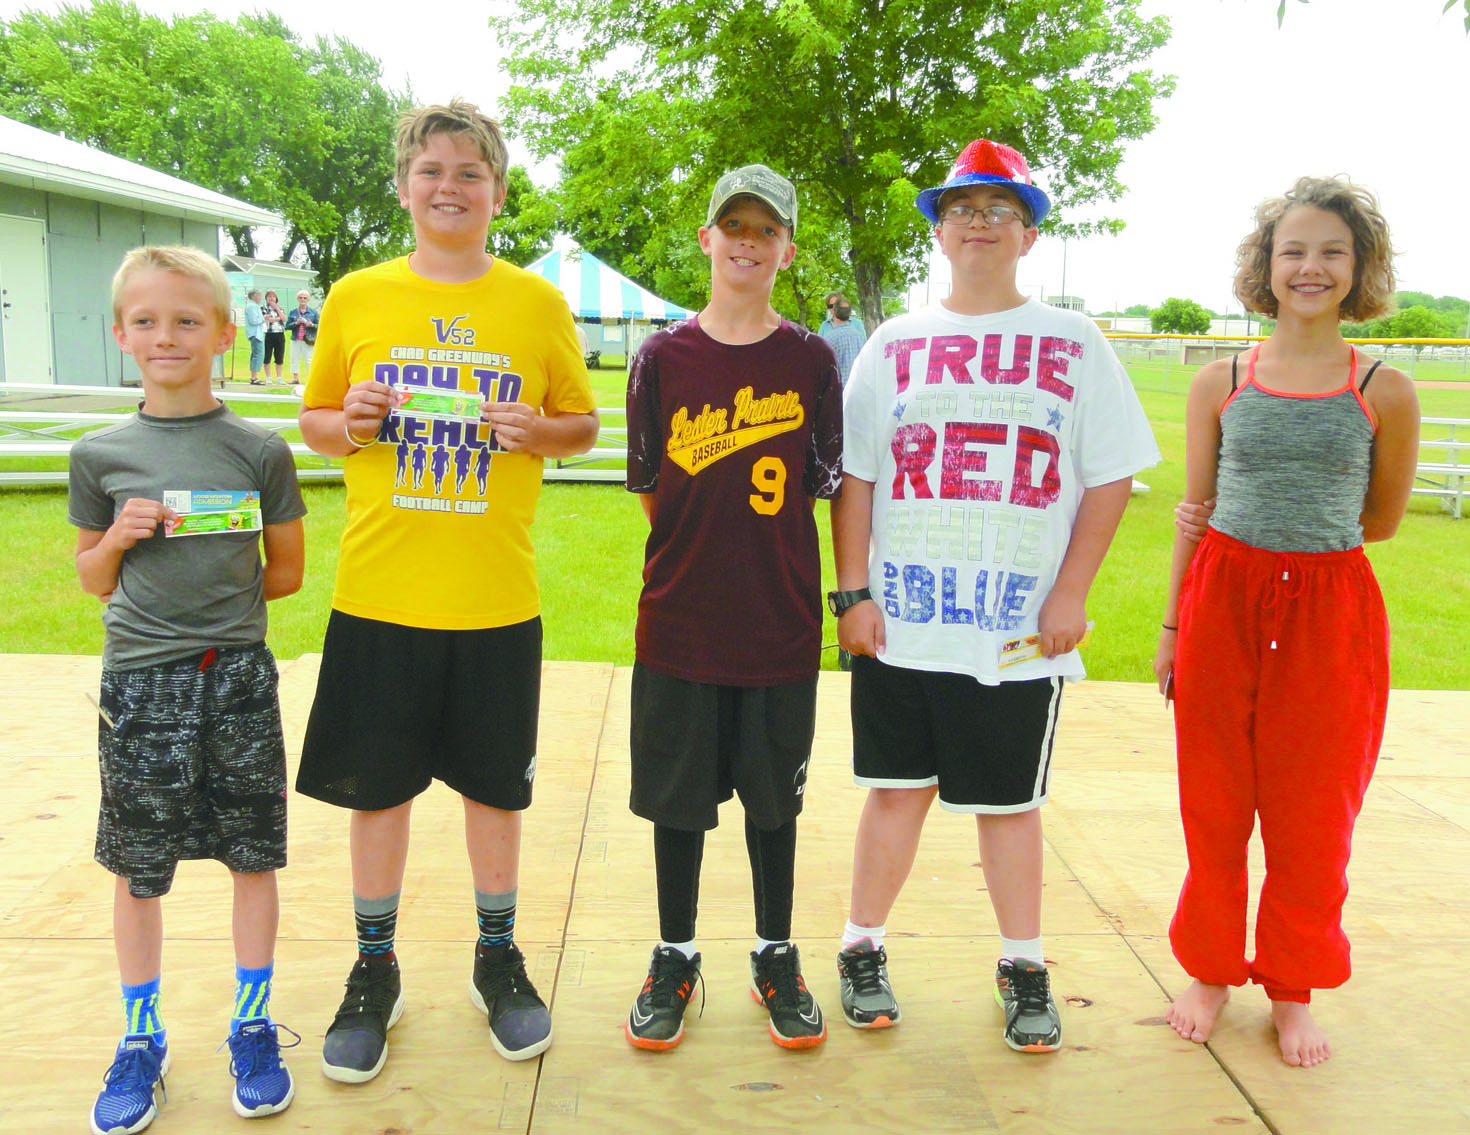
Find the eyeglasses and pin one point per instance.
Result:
(831, 304)
(990, 214)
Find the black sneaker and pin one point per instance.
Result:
(776, 982)
(357, 1043)
(1023, 990)
(656, 1021)
(520, 1022)
(867, 998)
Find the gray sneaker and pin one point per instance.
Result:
(1023, 990)
(520, 1022)
(867, 998)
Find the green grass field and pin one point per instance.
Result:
(589, 540)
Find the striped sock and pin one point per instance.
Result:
(140, 1008)
(497, 917)
(252, 994)
(377, 924)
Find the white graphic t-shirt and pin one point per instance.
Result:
(980, 434)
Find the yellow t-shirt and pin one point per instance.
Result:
(438, 517)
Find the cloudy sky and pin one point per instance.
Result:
(1376, 89)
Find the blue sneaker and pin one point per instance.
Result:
(262, 1082)
(125, 1104)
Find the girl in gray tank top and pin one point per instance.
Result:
(1275, 643)
(1293, 468)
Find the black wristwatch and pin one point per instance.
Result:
(840, 601)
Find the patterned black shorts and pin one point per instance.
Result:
(193, 767)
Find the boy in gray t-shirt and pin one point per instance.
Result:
(172, 505)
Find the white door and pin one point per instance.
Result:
(25, 308)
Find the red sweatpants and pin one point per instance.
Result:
(1281, 686)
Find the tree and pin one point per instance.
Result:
(526, 224)
(339, 196)
(1138, 310)
(1418, 322)
(1416, 315)
(860, 103)
(242, 108)
(617, 200)
(1180, 317)
(184, 98)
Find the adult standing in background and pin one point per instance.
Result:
(844, 331)
(831, 302)
(255, 334)
(301, 329)
(275, 332)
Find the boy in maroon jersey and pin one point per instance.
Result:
(734, 428)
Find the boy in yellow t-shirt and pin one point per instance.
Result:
(435, 598)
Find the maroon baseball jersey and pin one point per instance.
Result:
(732, 441)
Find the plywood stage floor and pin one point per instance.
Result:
(587, 920)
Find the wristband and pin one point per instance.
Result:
(1167, 627)
(352, 441)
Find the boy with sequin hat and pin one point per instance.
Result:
(984, 162)
(1016, 424)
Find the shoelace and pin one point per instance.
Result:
(781, 975)
(865, 971)
(508, 976)
(134, 1068)
(362, 982)
(251, 1047)
(1030, 989)
(664, 982)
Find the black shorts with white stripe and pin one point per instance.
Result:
(988, 748)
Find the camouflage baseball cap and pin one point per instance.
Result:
(760, 182)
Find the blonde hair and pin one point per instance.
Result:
(1373, 282)
(173, 258)
(461, 119)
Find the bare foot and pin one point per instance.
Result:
(1193, 1013)
(1303, 1044)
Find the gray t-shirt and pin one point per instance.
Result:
(179, 596)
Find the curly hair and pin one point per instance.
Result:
(459, 119)
(1373, 282)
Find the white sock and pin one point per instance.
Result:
(762, 943)
(1023, 950)
(855, 933)
(685, 948)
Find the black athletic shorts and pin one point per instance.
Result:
(399, 707)
(696, 745)
(988, 748)
(193, 767)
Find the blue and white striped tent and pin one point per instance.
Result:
(595, 291)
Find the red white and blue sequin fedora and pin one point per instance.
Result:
(984, 162)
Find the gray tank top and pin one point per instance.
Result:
(1293, 468)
